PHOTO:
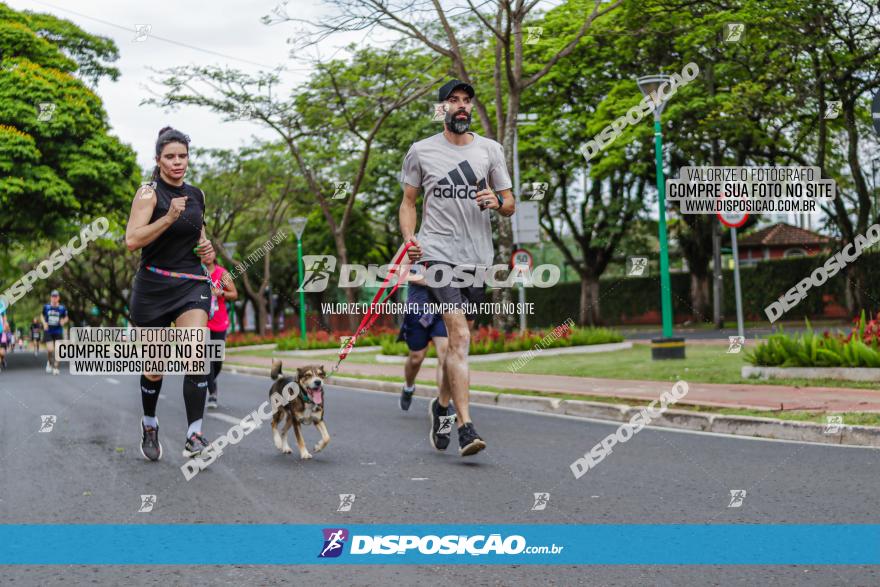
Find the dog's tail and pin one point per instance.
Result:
(276, 369)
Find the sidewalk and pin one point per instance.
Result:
(756, 397)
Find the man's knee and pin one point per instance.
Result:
(153, 376)
(417, 357)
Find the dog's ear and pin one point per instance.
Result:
(299, 373)
(322, 372)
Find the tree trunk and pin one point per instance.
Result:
(262, 313)
(589, 301)
(857, 300)
(504, 321)
(699, 296)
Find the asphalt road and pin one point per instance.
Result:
(88, 470)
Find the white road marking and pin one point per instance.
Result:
(419, 479)
(111, 380)
(224, 417)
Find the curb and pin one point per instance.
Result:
(305, 353)
(551, 352)
(866, 436)
(839, 373)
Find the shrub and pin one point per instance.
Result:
(333, 340)
(488, 340)
(860, 348)
(234, 339)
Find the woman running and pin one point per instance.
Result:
(167, 225)
(222, 283)
(36, 333)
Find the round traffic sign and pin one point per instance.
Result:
(733, 219)
(521, 257)
(875, 112)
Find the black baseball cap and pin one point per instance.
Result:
(452, 85)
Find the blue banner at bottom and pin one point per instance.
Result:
(273, 544)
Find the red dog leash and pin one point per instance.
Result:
(373, 312)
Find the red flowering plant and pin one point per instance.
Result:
(866, 331)
(322, 339)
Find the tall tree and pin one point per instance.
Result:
(486, 45)
(59, 165)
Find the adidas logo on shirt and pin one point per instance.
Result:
(463, 184)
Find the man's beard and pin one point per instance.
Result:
(456, 125)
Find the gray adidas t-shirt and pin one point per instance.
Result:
(454, 229)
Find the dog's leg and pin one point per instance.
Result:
(325, 436)
(300, 442)
(276, 436)
(285, 448)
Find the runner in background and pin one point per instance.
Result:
(4, 337)
(36, 330)
(54, 318)
(222, 290)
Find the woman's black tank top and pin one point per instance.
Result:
(173, 250)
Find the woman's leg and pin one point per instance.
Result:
(216, 366)
(195, 386)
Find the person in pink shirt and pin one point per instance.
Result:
(222, 290)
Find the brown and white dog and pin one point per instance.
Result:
(306, 407)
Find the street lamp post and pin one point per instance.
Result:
(298, 225)
(230, 248)
(667, 347)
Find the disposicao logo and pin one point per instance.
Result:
(334, 540)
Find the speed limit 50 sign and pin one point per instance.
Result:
(521, 257)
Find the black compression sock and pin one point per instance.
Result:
(150, 395)
(195, 391)
(441, 411)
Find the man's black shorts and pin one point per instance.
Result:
(449, 294)
(52, 336)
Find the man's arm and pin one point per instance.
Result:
(487, 199)
(509, 206)
(407, 219)
(407, 214)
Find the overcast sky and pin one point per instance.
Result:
(228, 27)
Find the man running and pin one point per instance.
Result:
(463, 175)
(419, 328)
(54, 318)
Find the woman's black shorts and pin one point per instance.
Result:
(157, 300)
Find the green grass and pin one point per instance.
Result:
(850, 418)
(705, 363)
